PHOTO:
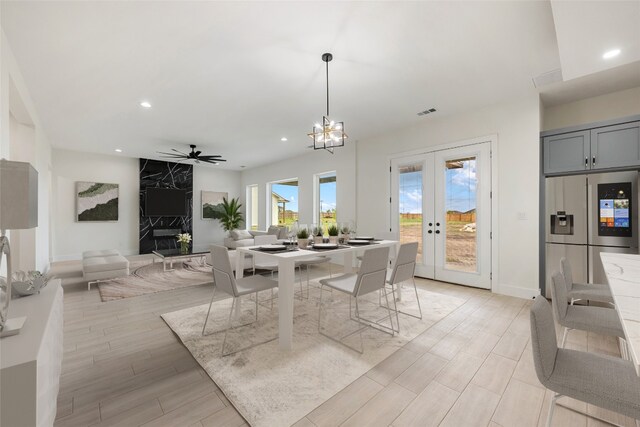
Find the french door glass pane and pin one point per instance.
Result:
(254, 207)
(410, 205)
(460, 204)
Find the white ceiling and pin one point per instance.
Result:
(587, 29)
(235, 77)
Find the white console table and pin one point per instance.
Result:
(31, 361)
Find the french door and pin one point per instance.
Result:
(442, 200)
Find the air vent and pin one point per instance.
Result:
(548, 78)
(425, 112)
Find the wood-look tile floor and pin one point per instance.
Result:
(123, 366)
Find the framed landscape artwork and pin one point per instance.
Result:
(212, 204)
(96, 201)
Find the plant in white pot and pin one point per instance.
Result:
(303, 238)
(231, 217)
(318, 233)
(333, 231)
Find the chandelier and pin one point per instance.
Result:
(329, 134)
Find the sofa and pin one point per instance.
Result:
(242, 238)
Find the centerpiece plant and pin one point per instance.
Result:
(184, 239)
(333, 231)
(303, 238)
(318, 233)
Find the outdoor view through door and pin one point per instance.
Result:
(327, 199)
(284, 202)
(460, 203)
(442, 200)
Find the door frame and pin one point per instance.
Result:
(492, 139)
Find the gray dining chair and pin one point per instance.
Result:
(608, 382)
(306, 264)
(370, 278)
(224, 281)
(583, 291)
(585, 318)
(403, 270)
(263, 263)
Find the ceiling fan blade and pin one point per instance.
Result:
(198, 153)
(210, 157)
(213, 162)
(184, 154)
(170, 154)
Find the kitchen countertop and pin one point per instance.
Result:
(623, 275)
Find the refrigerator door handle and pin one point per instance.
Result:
(586, 162)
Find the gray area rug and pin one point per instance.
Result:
(150, 278)
(270, 387)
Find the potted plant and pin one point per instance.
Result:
(344, 233)
(333, 231)
(184, 239)
(231, 216)
(318, 234)
(303, 238)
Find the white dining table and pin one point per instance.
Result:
(286, 276)
(623, 276)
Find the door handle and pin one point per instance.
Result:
(430, 224)
(586, 162)
(437, 231)
(430, 231)
(437, 224)
(594, 160)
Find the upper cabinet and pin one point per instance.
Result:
(607, 147)
(568, 152)
(615, 146)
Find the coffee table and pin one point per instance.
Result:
(174, 254)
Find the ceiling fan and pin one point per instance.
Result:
(193, 155)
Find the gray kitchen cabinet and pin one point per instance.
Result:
(569, 152)
(615, 146)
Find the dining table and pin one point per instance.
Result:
(623, 277)
(286, 260)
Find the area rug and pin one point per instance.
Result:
(270, 387)
(150, 278)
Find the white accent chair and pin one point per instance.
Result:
(403, 270)
(608, 382)
(224, 281)
(370, 278)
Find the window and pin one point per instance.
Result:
(326, 210)
(284, 202)
(252, 207)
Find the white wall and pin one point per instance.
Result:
(604, 107)
(206, 232)
(517, 125)
(14, 95)
(71, 238)
(304, 168)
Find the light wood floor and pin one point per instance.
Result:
(124, 367)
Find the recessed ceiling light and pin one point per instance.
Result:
(118, 150)
(284, 139)
(611, 54)
(145, 104)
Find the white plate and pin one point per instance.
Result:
(273, 247)
(358, 242)
(325, 245)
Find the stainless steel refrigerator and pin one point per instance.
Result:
(586, 215)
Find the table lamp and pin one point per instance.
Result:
(18, 211)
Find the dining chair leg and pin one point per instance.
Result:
(209, 311)
(226, 331)
(415, 288)
(320, 308)
(386, 296)
(257, 305)
(552, 408)
(564, 336)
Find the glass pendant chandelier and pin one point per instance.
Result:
(329, 134)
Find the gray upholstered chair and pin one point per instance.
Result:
(370, 278)
(594, 319)
(224, 281)
(583, 291)
(403, 270)
(604, 381)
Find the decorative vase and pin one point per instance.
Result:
(318, 239)
(333, 239)
(184, 248)
(303, 243)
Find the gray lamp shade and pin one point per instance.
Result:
(18, 195)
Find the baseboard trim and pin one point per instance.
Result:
(517, 291)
